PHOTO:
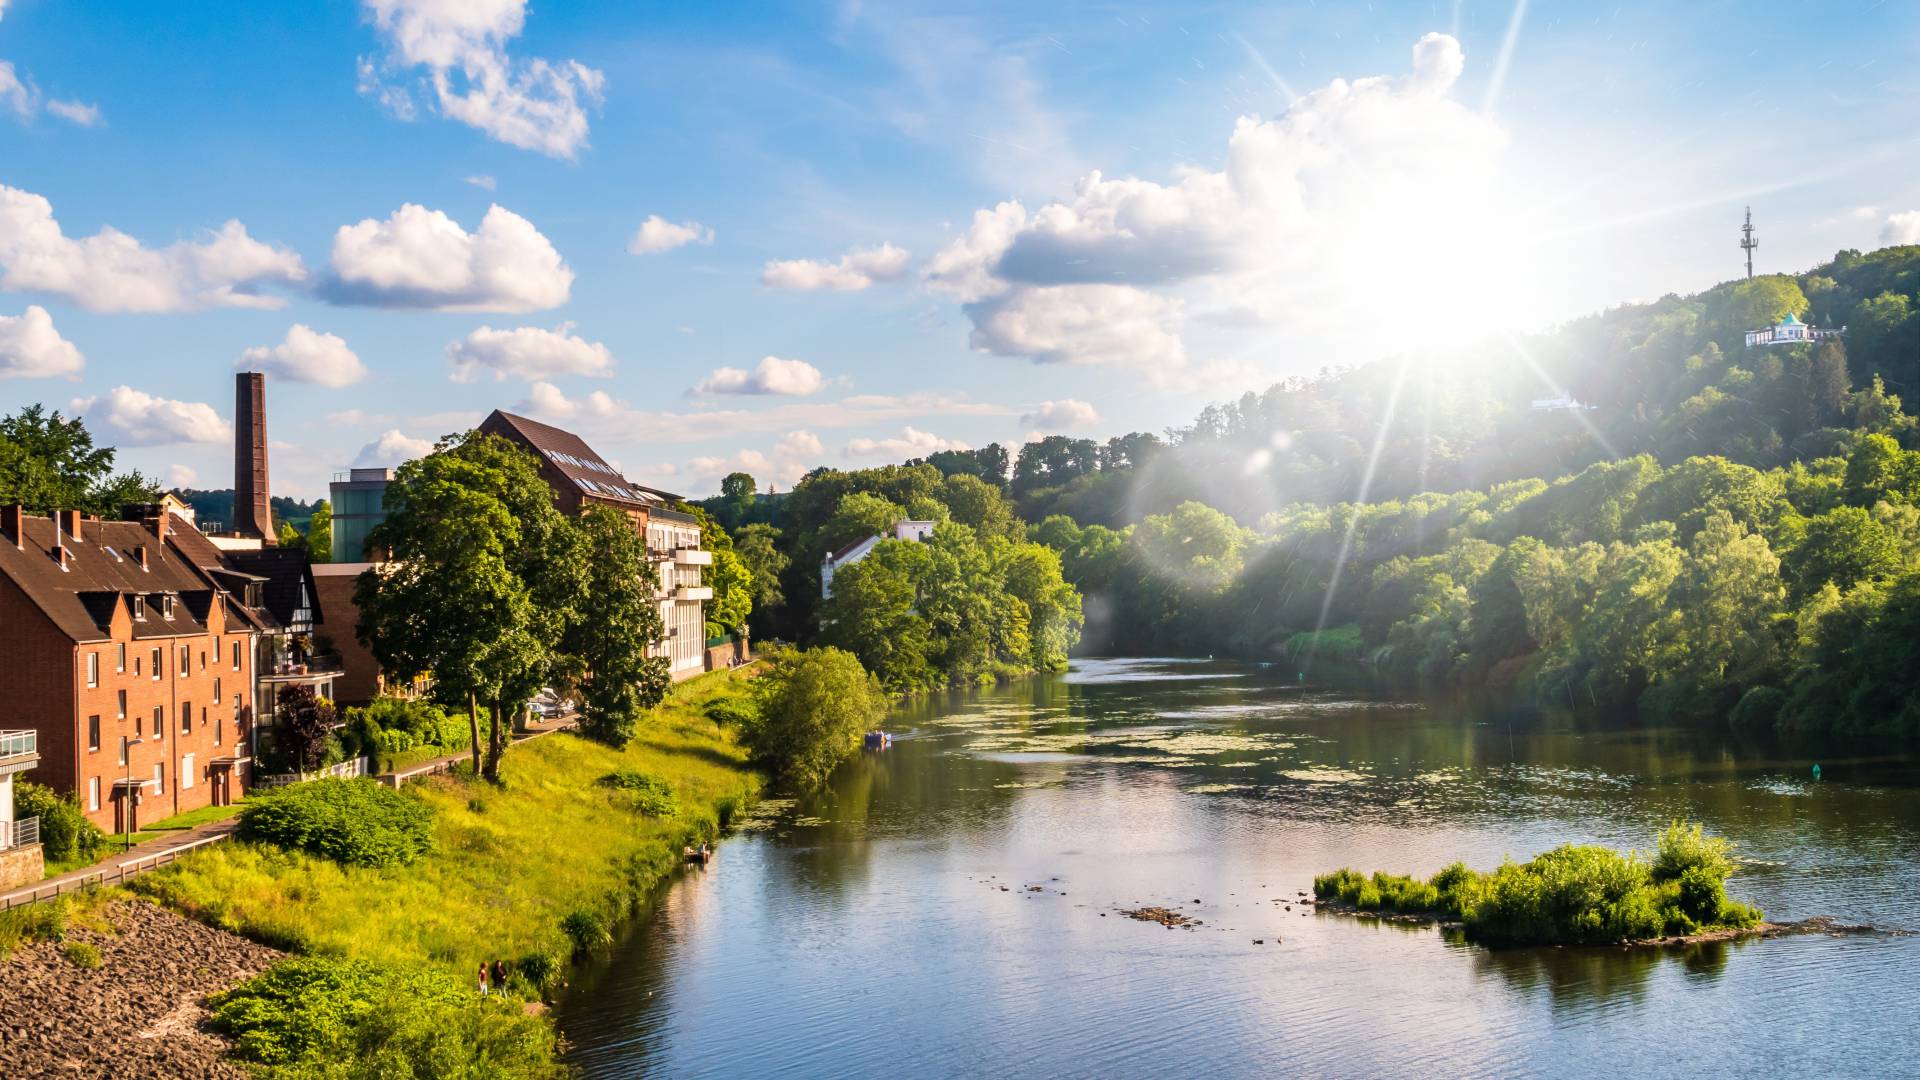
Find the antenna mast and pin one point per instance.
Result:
(1747, 242)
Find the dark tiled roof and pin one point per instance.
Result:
(285, 571)
(574, 459)
(102, 570)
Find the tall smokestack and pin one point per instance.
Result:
(252, 511)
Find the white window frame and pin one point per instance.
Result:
(93, 793)
(93, 669)
(186, 772)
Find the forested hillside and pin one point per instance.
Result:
(1713, 530)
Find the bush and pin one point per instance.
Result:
(1683, 849)
(65, 832)
(586, 929)
(811, 709)
(650, 795)
(355, 822)
(33, 922)
(352, 1018)
(1759, 708)
(83, 955)
(733, 712)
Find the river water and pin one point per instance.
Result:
(888, 927)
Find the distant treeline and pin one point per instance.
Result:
(216, 504)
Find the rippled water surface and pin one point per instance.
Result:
(890, 926)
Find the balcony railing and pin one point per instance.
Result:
(314, 664)
(692, 557)
(693, 592)
(20, 833)
(19, 743)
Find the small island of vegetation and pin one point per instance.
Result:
(1576, 894)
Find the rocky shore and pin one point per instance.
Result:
(120, 995)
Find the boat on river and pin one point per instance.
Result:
(878, 740)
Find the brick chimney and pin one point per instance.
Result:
(13, 519)
(70, 524)
(252, 508)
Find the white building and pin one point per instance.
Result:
(916, 531)
(1790, 331)
(673, 543)
(19, 751)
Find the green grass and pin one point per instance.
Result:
(1575, 894)
(415, 755)
(511, 864)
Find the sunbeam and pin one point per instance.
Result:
(1498, 80)
(1360, 500)
(1273, 76)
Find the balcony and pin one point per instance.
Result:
(19, 751)
(20, 833)
(693, 592)
(692, 557)
(316, 667)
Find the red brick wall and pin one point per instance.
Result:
(39, 683)
(361, 681)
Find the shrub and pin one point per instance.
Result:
(1759, 708)
(83, 955)
(355, 822)
(307, 720)
(331, 1016)
(650, 795)
(1684, 848)
(733, 712)
(586, 929)
(65, 832)
(812, 707)
(33, 922)
(538, 968)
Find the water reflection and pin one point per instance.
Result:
(886, 925)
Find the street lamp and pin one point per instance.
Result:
(128, 794)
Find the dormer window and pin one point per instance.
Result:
(139, 608)
(166, 606)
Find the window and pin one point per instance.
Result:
(216, 729)
(236, 656)
(160, 777)
(93, 669)
(186, 660)
(166, 606)
(216, 689)
(123, 749)
(186, 772)
(123, 706)
(186, 717)
(120, 661)
(93, 793)
(159, 720)
(159, 659)
(203, 659)
(93, 732)
(139, 608)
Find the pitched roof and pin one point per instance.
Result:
(573, 458)
(102, 573)
(284, 571)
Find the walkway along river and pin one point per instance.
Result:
(891, 926)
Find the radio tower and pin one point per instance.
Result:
(1747, 242)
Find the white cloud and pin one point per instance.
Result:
(307, 356)
(390, 449)
(657, 234)
(111, 271)
(790, 459)
(546, 399)
(1359, 189)
(130, 417)
(483, 181)
(856, 270)
(799, 444)
(532, 104)
(625, 425)
(527, 352)
(420, 258)
(773, 375)
(30, 348)
(1064, 415)
(181, 476)
(911, 442)
(16, 97)
(1082, 324)
(76, 112)
(1902, 228)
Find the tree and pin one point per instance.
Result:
(1730, 599)
(49, 462)
(1199, 549)
(873, 615)
(319, 537)
(979, 505)
(1844, 546)
(738, 487)
(759, 550)
(306, 719)
(858, 516)
(1032, 575)
(608, 640)
(812, 708)
(731, 581)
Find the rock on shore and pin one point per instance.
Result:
(138, 1013)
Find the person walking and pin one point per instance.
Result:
(500, 975)
(483, 978)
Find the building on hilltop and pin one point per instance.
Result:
(1790, 331)
(581, 478)
(915, 531)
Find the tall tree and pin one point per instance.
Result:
(320, 533)
(759, 549)
(614, 624)
(49, 462)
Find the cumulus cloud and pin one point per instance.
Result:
(799, 444)
(527, 352)
(789, 460)
(181, 476)
(1902, 228)
(393, 447)
(657, 234)
(307, 356)
(421, 258)
(856, 270)
(547, 400)
(1360, 188)
(911, 442)
(30, 348)
(533, 104)
(1064, 415)
(773, 375)
(131, 417)
(483, 182)
(111, 271)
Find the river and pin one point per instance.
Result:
(889, 926)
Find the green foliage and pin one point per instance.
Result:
(392, 725)
(353, 822)
(1572, 895)
(319, 534)
(65, 832)
(45, 921)
(813, 706)
(306, 720)
(82, 954)
(48, 462)
(614, 623)
(759, 552)
(334, 1016)
(650, 795)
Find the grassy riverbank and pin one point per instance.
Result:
(520, 872)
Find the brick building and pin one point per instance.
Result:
(132, 665)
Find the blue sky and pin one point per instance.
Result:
(1260, 208)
